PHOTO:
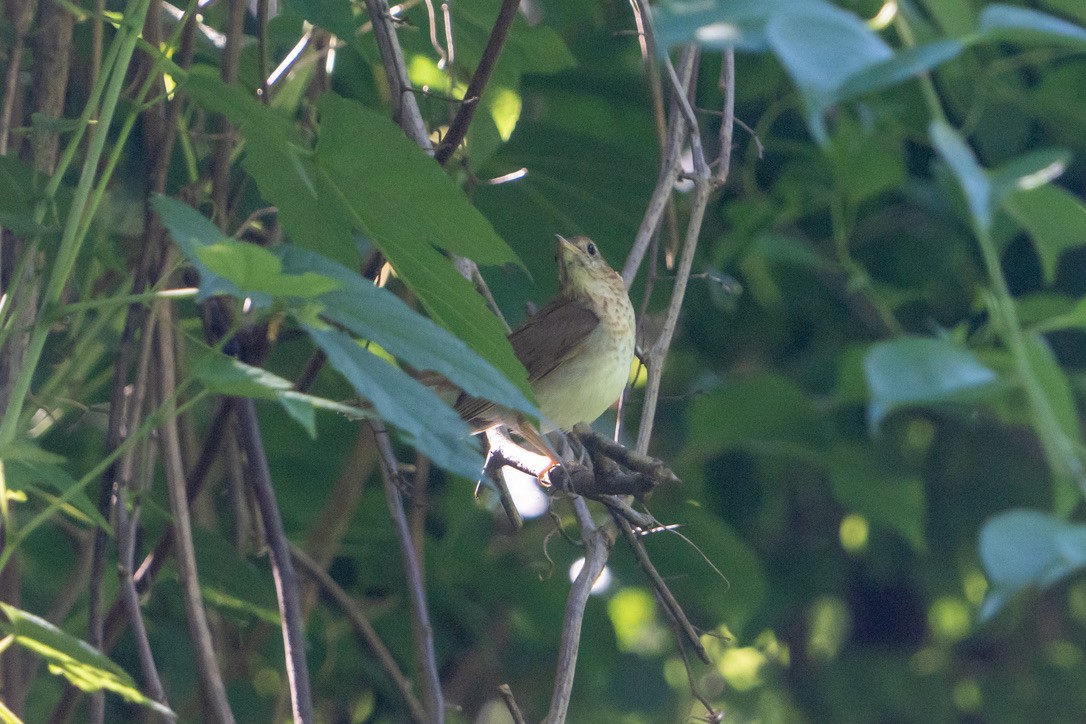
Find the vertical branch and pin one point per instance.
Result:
(286, 583)
(405, 107)
(597, 546)
(212, 689)
(390, 474)
(669, 173)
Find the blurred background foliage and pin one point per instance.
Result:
(874, 526)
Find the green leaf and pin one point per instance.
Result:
(82, 665)
(232, 583)
(256, 269)
(1057, 389)
(716, 24)
(407, 205)
(1028, 171)
(1008, 23)
(1023, 549)
(764, 413)
(915, 371)
(425, 421)
(1055, 220)
(227, 376)
(16, 208)
(376, 314)
(343, 296)
(399, 196)
(970, 176)
(886, 496)
(21, 473)
(332, 15)
(904, 64)
(822, 46)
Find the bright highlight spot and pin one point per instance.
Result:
(742, 667)
(975, 586)
(967, 695)
(633, 615)
(830, 623)
(949, 618)
(602, 583)
(505, 110)
(884, 16)
(717, 33)
(523, 488)
(1042, 176)
(854, 533)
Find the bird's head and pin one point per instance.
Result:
(581, 267)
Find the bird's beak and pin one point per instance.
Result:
(564, 245)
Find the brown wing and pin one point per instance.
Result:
(551, 335)
(541, 343)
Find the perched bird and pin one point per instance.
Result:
(577, 349)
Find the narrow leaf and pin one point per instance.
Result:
(84, 666)
(425, 421)
(969, 174)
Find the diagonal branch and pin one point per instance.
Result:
(458, 129)
(390, 473)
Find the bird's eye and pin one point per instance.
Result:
(591, 249)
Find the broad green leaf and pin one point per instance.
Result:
(1024, 25)
(886, 496)
(397, 194)
(409, 208)
(423, 419)
(717, 24)
(953, 17)
(1055, 220)
(763, 413)
(81, 664)
(332, 15)
(1023, 549)
(970, 176)
(16, 208)
(342, 296)
(255, 268)
(227, 376)
(920, 371)
(376, 314)
(905, 64)
(822, 46)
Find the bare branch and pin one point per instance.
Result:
(364, 628)
(390, 473)
(458, 129)
(211, 684)
(598, 543)
(405, 109)
(511, 704)
(286, 583)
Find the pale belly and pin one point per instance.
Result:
(586, 385)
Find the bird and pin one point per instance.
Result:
(577, 349)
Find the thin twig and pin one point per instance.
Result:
(598, 542)
(211, 683)
(364, 628)
(435, 704)
(286, 583)
(405, 106)
(670, 167)
(667, 598)
(458, 129)
(511, 704)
